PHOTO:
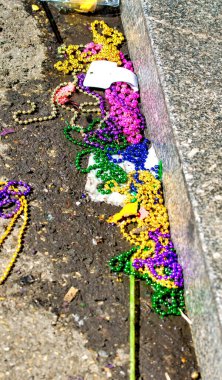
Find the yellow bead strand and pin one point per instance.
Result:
(79, 61)
(136, 230)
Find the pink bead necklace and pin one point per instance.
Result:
(124, 107)
(125, 112)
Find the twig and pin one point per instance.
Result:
(52, 21)
(186, 317)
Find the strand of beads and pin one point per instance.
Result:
(125, 111)
(104, 46)
(13, 194)
(165, 301)
(97, 143)
(86, 90)
(136, 154)
(124, 107)
(61, 97)
(110, 131)
(105, 170)
(153, 256)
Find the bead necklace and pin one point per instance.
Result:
(97, 142)
(61, 98)
(106, 170)
(123, 101)
(109, 132)
(125, 112)
(10, 195)
(165, 301)
(135, 153)
(104, 46)
(150, 232)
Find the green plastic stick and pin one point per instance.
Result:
(132, 330)
(160, 171)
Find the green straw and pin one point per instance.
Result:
(132, 330)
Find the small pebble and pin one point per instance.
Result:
(50, 217)
(103, 354)
(195, 375)
(97, 240)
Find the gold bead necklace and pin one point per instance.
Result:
(135, 229)
(79, 61)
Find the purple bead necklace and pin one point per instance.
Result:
(9, 197)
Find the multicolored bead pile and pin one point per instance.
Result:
(143, 221)
(13, 204)
(112, 137)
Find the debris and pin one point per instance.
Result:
(121, 358)
(49, 217)
(195, 375)
(167, 376)
(52, 21)
(108, 373)
(97, 240)
(110, 365)
(103, 354)
(35, 8)
(71, 294)
(186, 317)
(192, 153)
(77, 319)
(7, 131)
(127, 210)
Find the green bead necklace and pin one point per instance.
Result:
(165, 301)
(106, 170)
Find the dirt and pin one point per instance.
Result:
(43, 338)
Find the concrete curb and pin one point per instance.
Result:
(175, 47)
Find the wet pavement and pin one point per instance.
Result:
(42, 337)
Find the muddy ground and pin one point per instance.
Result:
(41, 337)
